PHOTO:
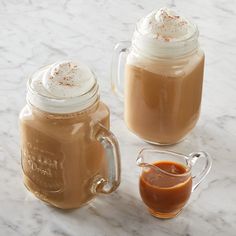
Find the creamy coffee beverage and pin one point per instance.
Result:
(163, 78)
(171, 104)
(63, 159)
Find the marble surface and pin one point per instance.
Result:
(34, 33)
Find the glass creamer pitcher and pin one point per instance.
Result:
(167, 179)
(68, 153)
(163, 77)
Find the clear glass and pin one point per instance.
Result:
(69, 158)
(162, 95)
(165, 193)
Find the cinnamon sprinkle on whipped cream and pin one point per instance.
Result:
(165, 25)
(63, 80)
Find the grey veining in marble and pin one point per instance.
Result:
(34, 33)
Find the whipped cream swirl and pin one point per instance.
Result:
(63, 87)
(163, 32)
(167, 25)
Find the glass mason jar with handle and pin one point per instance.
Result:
(68, 153)
(164, 68)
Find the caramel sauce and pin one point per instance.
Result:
(165, 193)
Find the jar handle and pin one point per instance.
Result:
(193, 158)
(112, 155)
(117, 67)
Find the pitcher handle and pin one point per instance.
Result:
(117, 68)
(193, 158)
(112, 155)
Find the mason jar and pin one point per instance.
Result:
(68, 153)
(163, 79)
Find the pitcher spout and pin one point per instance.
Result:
(141, 160)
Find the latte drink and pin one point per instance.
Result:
(161, 107)
(163, 77)
(64, 163)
